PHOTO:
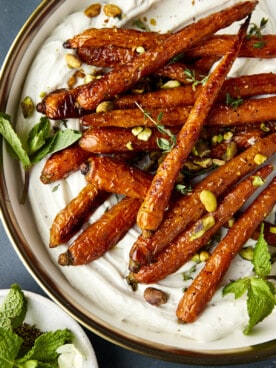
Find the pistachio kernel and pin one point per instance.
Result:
(259, 159)
(93, 10)
(72, 61)
(257, 181)
(136, 130)
(140, 49)
(111, 10)
(142, 133)
(171, 84)
(209, 200)
(272, 229)
(231, 222)
(204, 255)
(105, 106)
(27, 107)
(247, 253)
(129, 146)
(206, 224)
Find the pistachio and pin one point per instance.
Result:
(204, 255)
(259, 159)
(142, 133)
(257, 181)
(105, 106)
(140, 49)
(89, 78)
(111, 10)
(272, 229)
(129, 146)
(227, 136)
(264, 127)
(231, 151)
(171, 84)
(206, 224)
(93, 10)
(231, 222)
(155, 296)
(72, 61)
(27, 107)
(218, 162)
(196, 258)
(247, 253)
(208, 199)
(217, 139)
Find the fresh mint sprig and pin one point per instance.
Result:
(40, 142)
(260, 292)
(43, 353)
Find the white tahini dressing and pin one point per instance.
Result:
(102, 282)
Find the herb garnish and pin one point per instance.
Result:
(256, 30)
(191, 77)
(40, 142)
(166, 145)
(260, 292)
(43, 352)
(233, 102)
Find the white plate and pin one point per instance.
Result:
(48, 316)
(110, 311)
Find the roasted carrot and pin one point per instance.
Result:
(189, 208)
(120, 79)
(118, 140)
(103, 234)
(60, 164)
(70, 219)
(238, 87)
(206, 283)
(195, 237)
(152, 210)
(116, 176)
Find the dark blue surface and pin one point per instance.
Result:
(13, 14)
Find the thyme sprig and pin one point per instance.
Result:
(232, 101)
(256, 30)
(191, 77)
(166, 145)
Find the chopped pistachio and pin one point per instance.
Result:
(93, 10)
(272, 229)
(207, 223)
(72, 61)
(231, 222)
(247, 253)
(231, 151)
(203, 163)
(227, 136)
(140, 49)
(257, 181)
(204, 255)
(111, 10)
(171, 84)
(137, 130)
(259, 159)
(105, 106)
(27, 106)
(264, 127)
(129, 146)
(217, 139)
(89, 78)
(145, 134)
(218, 162)
(196, 258)
(208, 199)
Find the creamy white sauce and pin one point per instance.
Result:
(103, 281)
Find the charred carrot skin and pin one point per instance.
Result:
(206, 283)
(103, 234)
(122, 78)
(238, 87)
(70, 219)
(152, 210)
(187, 244)
(62, 163)
(189, 208)
(117, 177)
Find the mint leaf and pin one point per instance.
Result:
(13, 308)
(45, 346)
(38, 135)
(9, 347)
(238, 288)
(260, 302)
(9, 134)
(261, 257)
(59, 141)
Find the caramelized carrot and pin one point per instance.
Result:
(189, 208)
(188, 243)
(206, 283)
(152, 210)
(103, 234)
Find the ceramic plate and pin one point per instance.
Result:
(97, 295)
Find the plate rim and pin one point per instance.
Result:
(8, 217)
